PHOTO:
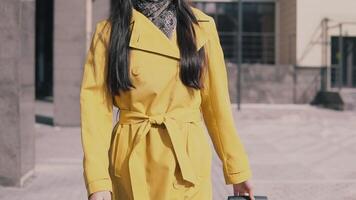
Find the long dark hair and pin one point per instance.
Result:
(191, 61)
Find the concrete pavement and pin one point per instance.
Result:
(296, 152)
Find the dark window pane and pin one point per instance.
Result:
(259, 17)
(258, 48)
(346, 75)
(258, 43)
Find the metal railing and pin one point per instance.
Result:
(256, 47)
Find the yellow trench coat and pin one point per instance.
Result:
(158, 149)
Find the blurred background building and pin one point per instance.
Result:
(287, 46)
(291, 50)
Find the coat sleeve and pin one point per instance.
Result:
(217, 113)
(96, 115)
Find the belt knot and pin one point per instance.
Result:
(173, 123)
(157, 119)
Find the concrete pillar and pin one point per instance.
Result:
(70, 31)
(17, 133)
(101, 10)
(69, 53)
(286, 32)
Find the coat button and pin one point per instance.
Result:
(175, 185)
(178, 185)
(135, 71)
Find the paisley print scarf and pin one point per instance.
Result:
(161, 12)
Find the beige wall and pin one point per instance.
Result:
(309, 16)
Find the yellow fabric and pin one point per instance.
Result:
(158, 149)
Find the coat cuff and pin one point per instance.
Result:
(236, 178)
(99, 185)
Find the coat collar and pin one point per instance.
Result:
(146, 36)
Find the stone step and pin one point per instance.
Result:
(349, 97)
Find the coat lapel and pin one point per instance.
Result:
(146, 36)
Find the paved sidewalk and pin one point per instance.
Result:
(300, 152)
(296, 152)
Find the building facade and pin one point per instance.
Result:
(287, 46)
(290, 49)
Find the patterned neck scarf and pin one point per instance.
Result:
(161, 12)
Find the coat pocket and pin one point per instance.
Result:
(120, 150)
(199, 149)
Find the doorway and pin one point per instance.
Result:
(44, 50)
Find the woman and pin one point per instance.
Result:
(160, 62)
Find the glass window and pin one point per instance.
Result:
(346, 75)
(258, 39)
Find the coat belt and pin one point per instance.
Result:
(173, 121)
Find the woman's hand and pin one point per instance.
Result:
(102, 195)
(243, 188)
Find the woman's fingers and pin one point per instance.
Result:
(102, 195)
(252, 197)
(250, 190)
(243, 189)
